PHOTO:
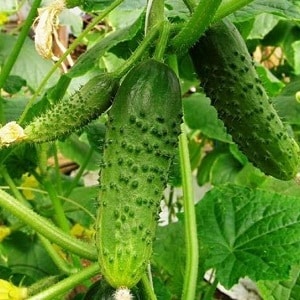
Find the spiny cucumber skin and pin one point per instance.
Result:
(72, 113)
(229, 78)
(141, 141)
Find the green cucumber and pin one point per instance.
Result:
(141, 141)
(70, 114)
(229, 78)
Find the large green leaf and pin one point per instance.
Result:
(25, 255)
(170, 263)
(28, 65)
(283, 8)
(287, 105)
(78, 151)
(90, 59)
(199, 114)
(278, 290)
(249, 232)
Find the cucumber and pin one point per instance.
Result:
(229, 78)
(70, 114)
(141, 141)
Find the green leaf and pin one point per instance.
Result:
(286, 104)
(217, 167)
(247, 232)
(13, 84)
(262, 25)
(77, 150)
(296, 48)
(23, 159)
(278, 290)
(270, 82)
(29, 65)
(199, 114)
(283, 8)
(168, 263)
(85, 197)
(13, 107)
(90, 59)
(26, 256)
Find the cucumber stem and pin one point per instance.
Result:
(154, 14)
(72, 47)
(56, 258)
(17, 48)
(19, 196)
(191, 271)
(67, 284)
(163, 41)
(190, 4)
(137, 54)
(148, 288)
(45, 228)
(195, 27)
(229, 6)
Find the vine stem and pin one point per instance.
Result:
(66, 284)
(56, 257)
(163, 41)
(154, 14)
(195, 26)
(229, 6)
(138, 53)
(191, 270)
(72, 47)
(45, 228)
(148, 288)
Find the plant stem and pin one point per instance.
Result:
(147, 287)
(191, 270)
(138, 53)
(59, 213)
(66, 284)
(229, 6)
(163, 41)
(190, 4)
(195, 27)
(57, 259)
(79, 173)
(154, 14)
(13, 186)
(45, 228)
(72, 47)
(19, 43)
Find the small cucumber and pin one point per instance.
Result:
(72, 113)
(229, 78)
(141, 141)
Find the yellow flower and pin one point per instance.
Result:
(8, 291)
(81, 232)
(4, 232)
(28, 181)
(3, 18)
